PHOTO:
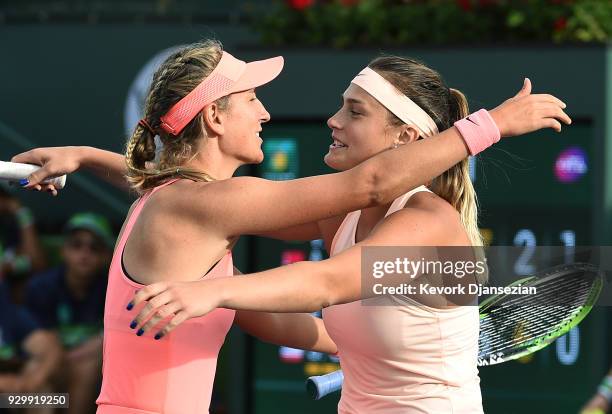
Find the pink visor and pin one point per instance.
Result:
(231, 75)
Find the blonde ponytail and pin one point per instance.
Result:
(176, 77)
(455, 185)
(445, 106)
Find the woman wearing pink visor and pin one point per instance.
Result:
(192, 210)
(398, 356)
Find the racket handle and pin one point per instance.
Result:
(14, 171)
(321, 385)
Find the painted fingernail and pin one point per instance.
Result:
(130, 306)
(23, 182)
(140, 332)
(134, 324)
(158, 336)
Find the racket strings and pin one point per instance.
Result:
(518, 333)
(562, 299)
(550, 289)
(518, 322)
(513, 339)
(565, 293)
(512, 336)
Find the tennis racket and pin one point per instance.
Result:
(512, 326)
(15, 171)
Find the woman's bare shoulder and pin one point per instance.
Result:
(440, 208)
(428, 218)
(176, 205)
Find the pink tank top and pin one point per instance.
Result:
(399, 356)
(173, 375)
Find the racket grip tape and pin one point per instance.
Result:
(13, 171)
(321, 385)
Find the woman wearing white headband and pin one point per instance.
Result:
(187, 225)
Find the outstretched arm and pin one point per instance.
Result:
(273, 205)
(298, 287)
(279, 205)
(107, 165)
(296, 330)
(376, 181)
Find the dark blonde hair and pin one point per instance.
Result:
(445, 106)
(176, 77)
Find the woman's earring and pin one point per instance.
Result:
(395, 145)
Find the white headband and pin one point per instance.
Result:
(395, 101)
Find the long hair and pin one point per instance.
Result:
(176, 77)
(445, 106)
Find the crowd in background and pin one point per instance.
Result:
(52, 309)
(52, 305)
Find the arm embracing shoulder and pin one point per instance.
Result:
(310, 286)
(249, 205)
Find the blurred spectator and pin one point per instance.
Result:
(601, 401)
(28, 354)
(20, 250)
(70, 300)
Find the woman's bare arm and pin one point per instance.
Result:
(107, 165)
(298, 287)
(296, 330)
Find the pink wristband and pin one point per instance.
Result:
(479, 131)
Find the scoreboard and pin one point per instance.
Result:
(533, 191)
(538, 189)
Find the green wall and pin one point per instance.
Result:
(67, 84)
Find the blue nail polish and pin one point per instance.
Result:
(23, 182)
(140, 332)
(133, 324)
(130, 306)
(158, 336)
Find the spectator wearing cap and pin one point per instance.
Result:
(29, 355)
(69, 299)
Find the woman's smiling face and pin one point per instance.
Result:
(360, 130)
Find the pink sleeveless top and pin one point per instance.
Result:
(173, 375)
(399, 356)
